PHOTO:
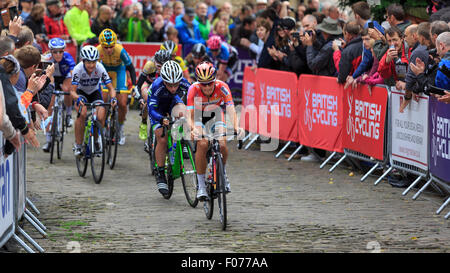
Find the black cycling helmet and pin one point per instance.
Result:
(198, 50)
(162, 56)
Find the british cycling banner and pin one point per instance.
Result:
(140, 53)
(439, 128)
(249, 114)
(409, 131)
(276, 92)
(365, 116)
(321, 112)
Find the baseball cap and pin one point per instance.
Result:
(53, 2)
(261, 2)
(189, 11)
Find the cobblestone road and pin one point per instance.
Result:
(275, 206)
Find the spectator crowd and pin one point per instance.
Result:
(314, 37)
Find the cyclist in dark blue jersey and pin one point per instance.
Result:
(167, 91)
(223, 56)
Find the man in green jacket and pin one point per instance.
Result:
(203, 23)
(77, 22)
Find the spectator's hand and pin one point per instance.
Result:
(50, 70)
(417, 68)
(348, 82)
(445, 98)
(400, 85)
(245, 42)
(405, 102)
(15, 141)
(364, 77)
(35, 83)
(15, 26)
(41, 111)
(307, 40)
(376, 34)
(39, 38)
(280, 55)
(254, 68)
(391, 54)
(30, 138)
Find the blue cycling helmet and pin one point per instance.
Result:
(56, 43)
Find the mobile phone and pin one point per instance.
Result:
(13, 12)
(370, 24)
(8, 15)
(435, 90)
(44, 65)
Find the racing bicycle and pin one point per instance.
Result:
(58, 126)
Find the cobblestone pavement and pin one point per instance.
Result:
(275, 206)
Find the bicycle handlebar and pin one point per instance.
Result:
(92, 105)
(171, 122)
(60, 93)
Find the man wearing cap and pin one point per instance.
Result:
(321, 61)
(261, 5)
(188, 31)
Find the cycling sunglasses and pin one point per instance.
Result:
(207, 83)
(171, 85)
(57, 51)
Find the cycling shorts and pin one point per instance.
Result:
(118, 77)
(210, 120)
(91, 98)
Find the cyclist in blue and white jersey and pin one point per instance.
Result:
(166, 91)
(223, 56)
(64, 65)
(86, 87)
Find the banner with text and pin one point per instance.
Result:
(320, 112)
(249, 114)
(365, 116)
(409, 131)
(439, 128)
(6, 190)
(276, 91)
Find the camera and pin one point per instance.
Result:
(296, 35)
(433, 52)
(370, 25)
(310, 32)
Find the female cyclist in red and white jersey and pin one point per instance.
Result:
(205, 102)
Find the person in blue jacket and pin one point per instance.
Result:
(188, 31)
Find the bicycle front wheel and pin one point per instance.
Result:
(60, 133)
(97, 145)
(82, 161)
(221, 193)
(53, 133)
(189, 173)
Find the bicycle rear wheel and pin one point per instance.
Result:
(151, 140)
(53, 133)
(114, 139)
(82, 161)
(221, 194)
(189, 174)
(97, 143)
(169, 178)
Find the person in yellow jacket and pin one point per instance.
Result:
(77, 22)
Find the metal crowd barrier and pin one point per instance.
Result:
(387, 162)
(18, 199)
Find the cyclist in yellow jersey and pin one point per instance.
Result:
(172, 47)
(117, 62)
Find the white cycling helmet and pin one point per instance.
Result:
(171, 72)
(89, 53)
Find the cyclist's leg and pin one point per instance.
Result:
(160, 154)
(66, 85)
(122, 99)
(80, 122)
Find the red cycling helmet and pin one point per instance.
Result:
(214, 42)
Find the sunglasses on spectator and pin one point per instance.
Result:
(57, 51)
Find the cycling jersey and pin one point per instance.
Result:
(181, 62)
(220, 96)
(116, 64)
(224, 54)
(160, 101)
(63, 68)
(89, 83)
